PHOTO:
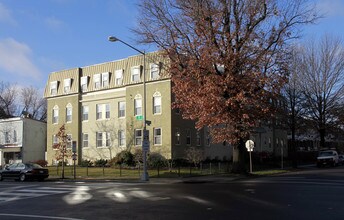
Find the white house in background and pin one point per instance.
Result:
(22, 140)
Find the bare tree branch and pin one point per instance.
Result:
(323, 75)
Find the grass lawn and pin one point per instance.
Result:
(126, 173)
(269, 172)
(135, 173)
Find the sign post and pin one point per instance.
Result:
(145, 143)
(250, 145)
(74, 157)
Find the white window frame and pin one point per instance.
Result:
(157, 136)
(103, 139)
(105, 79)
(107, 110)
(188, 137)
(67, 85)
(138, 137)
(121, 109)
(69, 113)
(135, 74)
(119, 77)
(55, 140)
(97, 81)
(99, 139)
(154, 71)
(157, 104)
(121, 138)
(84, 83)
(107, 139)
(85, 112)
(53, 87)
(55, 118)
(138, 106)
(85, 140)
(99, 111)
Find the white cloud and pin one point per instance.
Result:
(331, 7)
(5, 15)
(15, 59)
(53, 23)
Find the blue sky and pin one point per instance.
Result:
(38, 37)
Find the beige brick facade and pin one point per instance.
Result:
(102, 91)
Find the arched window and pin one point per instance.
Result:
(55, 114)
(69, 112)
(138, 105)
(157, 103)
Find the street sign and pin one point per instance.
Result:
(139, 117)
(249, 145)
(74, 146)
(74, 156)
(145, 146)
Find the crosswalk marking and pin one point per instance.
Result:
(21, 194)
(17, 193)
(43, 191)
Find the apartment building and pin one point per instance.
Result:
(22, 139)
(102, 107)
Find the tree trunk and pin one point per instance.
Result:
(293, 148)
(239, 158)
(322, 137)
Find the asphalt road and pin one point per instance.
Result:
(310, 194)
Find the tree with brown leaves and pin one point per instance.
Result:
(226, 57)
(61, 147)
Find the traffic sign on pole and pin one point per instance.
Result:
(250, 145)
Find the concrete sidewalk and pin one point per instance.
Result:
(156, 180)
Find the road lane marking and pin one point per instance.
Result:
(38, 216)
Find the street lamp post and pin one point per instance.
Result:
(144, 176)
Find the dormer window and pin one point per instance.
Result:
(66, 85)
(96, 80)
(105, 79)
(154, 70)
(119, 77)
(53, 87)
(84, 83)
(135, 74)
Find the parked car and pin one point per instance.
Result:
(327, 157)
(24, 171)
(341, 159)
